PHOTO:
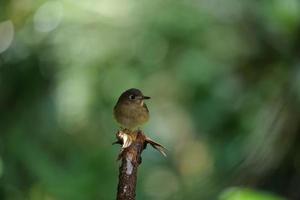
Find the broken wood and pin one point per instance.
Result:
(133, 144)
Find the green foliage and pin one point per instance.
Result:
(246, 194)
(224, 82)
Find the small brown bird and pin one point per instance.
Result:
(130, 110)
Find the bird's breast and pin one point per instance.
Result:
(131, 115)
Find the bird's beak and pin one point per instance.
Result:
(146, 97)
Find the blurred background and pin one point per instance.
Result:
(224, 79)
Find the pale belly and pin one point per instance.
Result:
(131, 117)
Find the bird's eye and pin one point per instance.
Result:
(131, 97)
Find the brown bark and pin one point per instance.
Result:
(133, 144)
(130, 160)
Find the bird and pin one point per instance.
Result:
(131, 111)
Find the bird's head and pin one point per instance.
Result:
(133, 96)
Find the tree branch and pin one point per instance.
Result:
(133, 144)
(131, 158)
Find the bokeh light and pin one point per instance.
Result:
(6, 35)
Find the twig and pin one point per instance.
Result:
(133, 144)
